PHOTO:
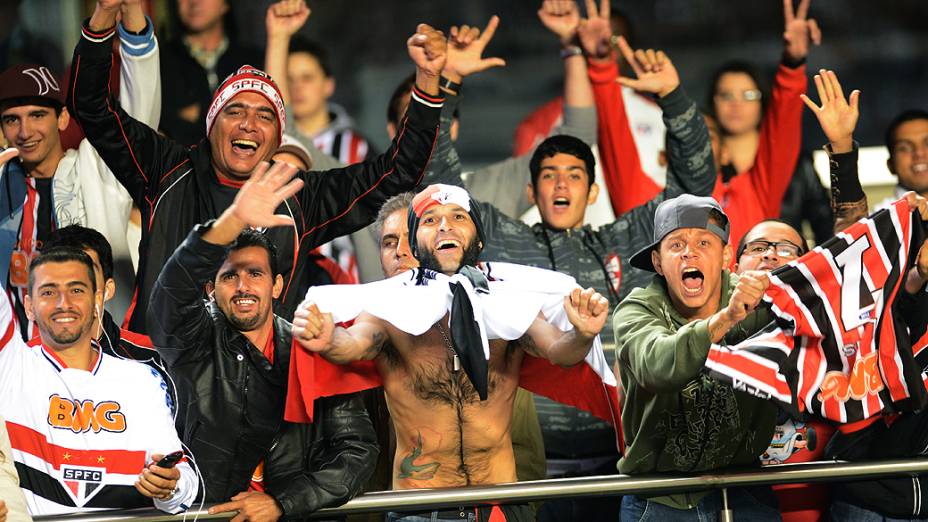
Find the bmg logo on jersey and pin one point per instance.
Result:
(83, 416)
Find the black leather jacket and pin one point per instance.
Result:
(231, 398)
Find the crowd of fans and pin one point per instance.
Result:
(305, 318)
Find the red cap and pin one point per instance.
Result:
(30, 81)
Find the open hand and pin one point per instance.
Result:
(747, 295)
(465, 51)
(595, 32)
(587, 310)
(561, 17)
(798, 30)
(654, 71)
(157, 482)
(836, 116)
(286, 17)
(428, 50)
(265, 190)
(252, 506)
(312, 328)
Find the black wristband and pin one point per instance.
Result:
(448, 85)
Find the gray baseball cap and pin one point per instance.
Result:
(686, 211)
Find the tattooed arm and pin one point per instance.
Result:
(316, 332)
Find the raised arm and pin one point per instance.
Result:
(341, 201)
(587, 311)
(689, 149)
(133, 151)
(283, 20)
(140, 70)
(781, 127)
(503, 183)
(837, 117)
(178, 321)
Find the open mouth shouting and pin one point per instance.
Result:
(692, 281)
(447, 244)
(560, 203)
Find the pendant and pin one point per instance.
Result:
(456, 363)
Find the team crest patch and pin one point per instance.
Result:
(82, 483)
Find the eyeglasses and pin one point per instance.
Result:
(781, 248)
(748, 95)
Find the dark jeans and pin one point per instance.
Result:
(747, 504)
(844, 512)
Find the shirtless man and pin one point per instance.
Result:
(446, 435)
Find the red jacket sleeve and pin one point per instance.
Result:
(780, 139)
(629, 186)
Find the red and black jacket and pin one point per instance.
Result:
(176, 186)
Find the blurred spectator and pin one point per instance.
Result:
(12, 502)
(244, 449)
(47, 187)
(312, 120)
(907, 142)
(88, 428)
(307, 84)
(205, 51)
(762, 137)
(177, 187)
(675, 418)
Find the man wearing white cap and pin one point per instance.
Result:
(177, 187)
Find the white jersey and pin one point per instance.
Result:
(80, 438)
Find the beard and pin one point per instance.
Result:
(245, 323)
(470, 256)
(67, 337)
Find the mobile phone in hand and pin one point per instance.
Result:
(170, 460)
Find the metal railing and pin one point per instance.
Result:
(520, 492)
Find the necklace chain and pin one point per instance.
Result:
(455, 360)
